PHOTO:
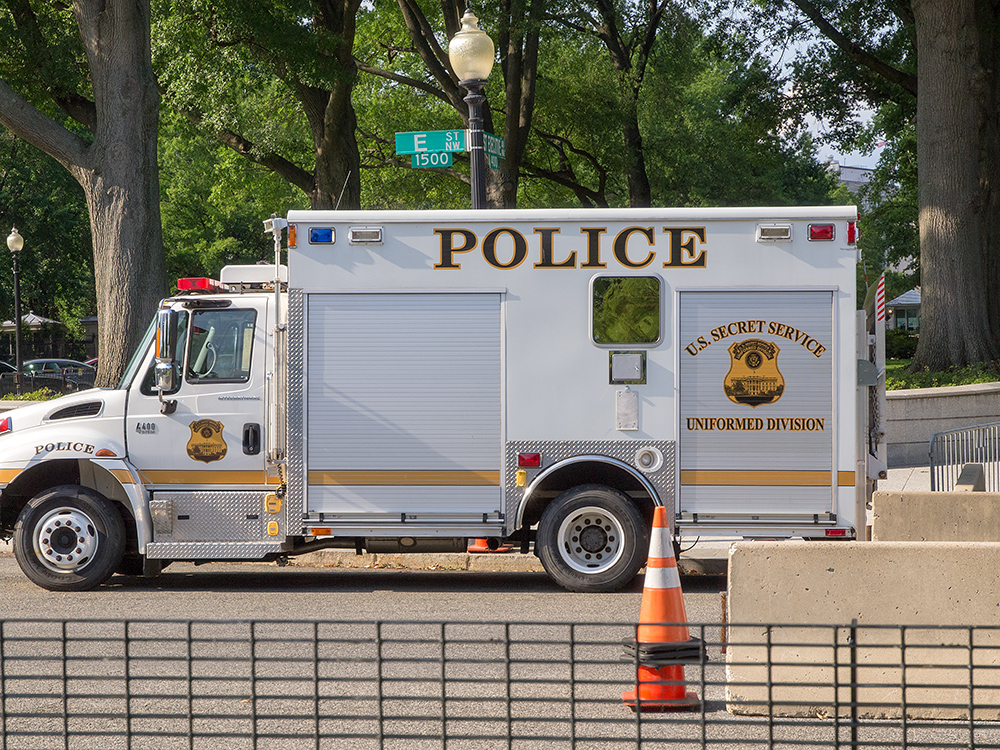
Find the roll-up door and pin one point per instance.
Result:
(756, 410)
(404, 407)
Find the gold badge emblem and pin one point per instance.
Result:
(753, 378)
(206, 443)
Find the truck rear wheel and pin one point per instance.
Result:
(69, 538)
(592, 539)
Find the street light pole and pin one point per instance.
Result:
(477, 152)
(15, 242)
(471, 53)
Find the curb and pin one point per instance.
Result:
(502, 561)
(512, 562)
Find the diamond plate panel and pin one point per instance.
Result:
(296, 388)
(210, 550)
(553, 452)
(215, 516)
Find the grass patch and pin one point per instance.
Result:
(898, 376)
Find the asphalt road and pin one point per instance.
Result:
(267, 592)
(516, 656)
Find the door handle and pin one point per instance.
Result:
(251, 438)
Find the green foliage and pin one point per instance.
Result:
(898, 375)
(233, 67)
(213, 202)
(42, 394)
(56, 265)
(900, 343)
(889, 238)
(722, 138)
(715, 130)
(49, 64)
(857, 109)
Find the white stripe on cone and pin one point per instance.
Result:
(662, 578)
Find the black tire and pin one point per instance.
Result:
(132, 564)
(69, 538)
(592, 539)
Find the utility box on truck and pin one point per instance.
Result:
(413, 380)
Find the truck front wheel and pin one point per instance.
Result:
(592, 539)
(69, 538)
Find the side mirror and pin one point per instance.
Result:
(166, 376)
(166, 335)
(167, 370)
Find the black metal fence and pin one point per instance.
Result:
(65, 382)
(178, 684)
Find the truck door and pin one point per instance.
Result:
(403, 397)
(206, 459)
(757, 428)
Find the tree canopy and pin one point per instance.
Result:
(269, 106)
(928, 71)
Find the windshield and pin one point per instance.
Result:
(138, 356)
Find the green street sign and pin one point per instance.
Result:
(431, 159)
(493, 161)
(494, 146)
(430, 140)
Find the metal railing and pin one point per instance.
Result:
(199, 684)
(951, 450)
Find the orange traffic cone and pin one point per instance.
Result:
(483, 545)
(664, 643)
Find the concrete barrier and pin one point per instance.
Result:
(916, 414)
(972, 479)
(800, 584)
(959, 516)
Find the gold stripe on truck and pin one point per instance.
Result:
(406, 478)
(171, 476)
(701, 477)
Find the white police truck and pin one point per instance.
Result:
(408, 381)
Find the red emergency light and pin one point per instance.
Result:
(529, 460)
(199, 284)
(6, 425)
(824, 232)
(852, 232)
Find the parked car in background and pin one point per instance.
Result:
(59, 374)
(55, 366)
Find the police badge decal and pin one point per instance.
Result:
(753, 378)
(206, 443)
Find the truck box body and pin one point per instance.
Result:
(432, 358)
(413, 380)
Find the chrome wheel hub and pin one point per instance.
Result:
(590, 540)
(65, 539)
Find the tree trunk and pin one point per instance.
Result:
(117, 170)
(120, 177)
(331, 115)
(337, 165)
(639, 194)
(630, 59)
(957, 155)
(520, 26)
